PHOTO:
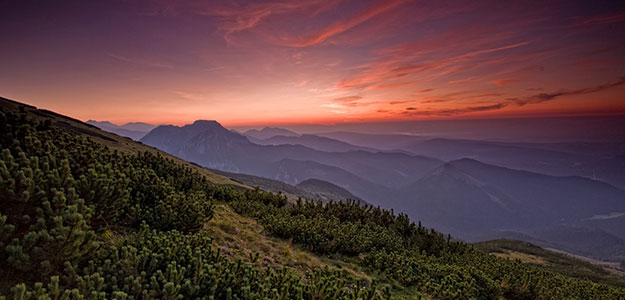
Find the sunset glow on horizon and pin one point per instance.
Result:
(313, 61)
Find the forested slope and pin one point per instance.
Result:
(79, 220)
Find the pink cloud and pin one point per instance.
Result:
(465, 80)
(350, 22)
(604, 19)
(234, 18)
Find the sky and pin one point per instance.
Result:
(313, 61)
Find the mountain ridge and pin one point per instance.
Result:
(313, 141)
(268, 132)
(133, 130)
(216, 147)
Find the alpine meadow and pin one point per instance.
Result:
(312, 150)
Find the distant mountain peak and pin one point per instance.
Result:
(268, 132)
(451, 172)
(198, 127)
(268, 128)
(101, 123)
(207, 122)
(138, 123)
(207, 125)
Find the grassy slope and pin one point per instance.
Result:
(240, 237)
(554, 261)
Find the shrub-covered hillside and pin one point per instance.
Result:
(81, 221)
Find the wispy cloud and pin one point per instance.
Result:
(337, 28)
(504, 82)
(609, 18)
(412, 111)
(399, 102)
(402, 61)
(308, 58)
(543, 97)
(349, 101)
(464, 80)
(236, 17)
(189, 96)
(390, 85)
(300, 83)
(435, 101)
(141, 61)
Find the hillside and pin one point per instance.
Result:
(310, 189)
(313, 141)
(141, 225)
(558, 262)
(295, 172)
(328, 190)
(473, 200)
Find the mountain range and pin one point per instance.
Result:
(472, 189)
(268, 132)
(311, 141)
(213, 146)
(475, 200)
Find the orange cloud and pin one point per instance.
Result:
(465, 80)
(390, 85)
(504, 82)
(350, 101)
(381, 72)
